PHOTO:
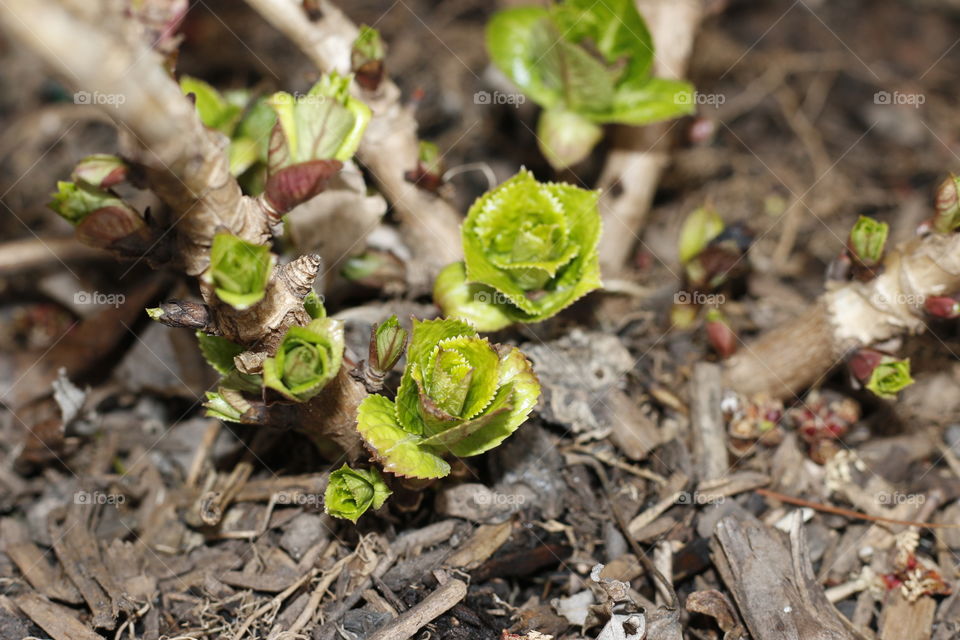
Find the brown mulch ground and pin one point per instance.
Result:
(125, 513)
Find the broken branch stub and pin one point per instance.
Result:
(856, 314)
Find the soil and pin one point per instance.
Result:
(139, 517)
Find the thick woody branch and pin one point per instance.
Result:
(390, 146)
(858, 314)
(185, 163)
(640, 154)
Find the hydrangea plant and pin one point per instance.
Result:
(459, 395)
(351, 492)
(530, 250)
(314, 135)
(307, 359)
(239, 270)
(586, 63)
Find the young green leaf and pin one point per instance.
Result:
(587, 59)
(306, 360)
(351, 492)
(534, 244)
(219, 352)
(459, 395)
(74, 201)
(389, 341)
(313, 305)
(868, 239)
(700, 227)
(100, 170)
(482, 306)
(215, 111)
(239, 270)
(889, 377)
(366, 58)
(314, 135)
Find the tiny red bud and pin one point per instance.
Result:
(942, 307)
(863, 362)
(721, 336)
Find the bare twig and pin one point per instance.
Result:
(425, 611)
(639, 155)
(185, 163)
(390, 146)
(857, 314)
(37, 253)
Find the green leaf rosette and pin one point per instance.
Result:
(530, 250)
(459, 395)
(351, 492)
(239, 270)
(307, 359)
(586, 63)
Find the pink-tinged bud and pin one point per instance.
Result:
(721, 336)
(107, 226)
(942, 307)
(297, 183)
(366, 58)
(863, 362)
(947, 204)
(101, 170)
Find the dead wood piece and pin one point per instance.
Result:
(79, 553)
(639, 155)
(905, 620)
(273, 582)
(718, 606)
(47, 580)
(578, 372)
(60, 622)
(483, 544)
(791, 357)
(706, 417)
(773, 583)
(424, 612)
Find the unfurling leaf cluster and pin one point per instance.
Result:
(586, 63)
(459, 395)
(530, 250)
